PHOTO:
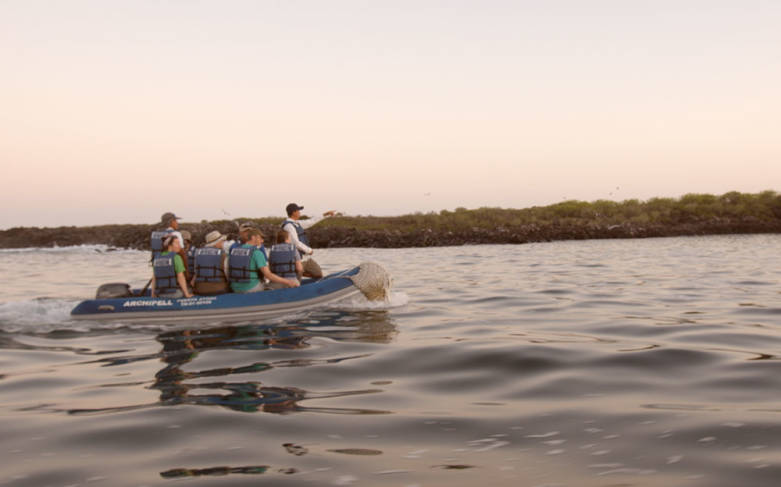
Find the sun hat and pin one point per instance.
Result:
(186, 236)
(214, 237)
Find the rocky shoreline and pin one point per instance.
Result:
(692, 214)
(345, 235)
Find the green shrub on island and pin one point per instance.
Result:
(691, 214)
(765, 206)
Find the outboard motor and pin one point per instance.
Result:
(114, 290)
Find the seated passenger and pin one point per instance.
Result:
(242, 238)
(171, 222)
(168, 271)
(210, 266)
(284, 260)
(247, 265)
(243, 229)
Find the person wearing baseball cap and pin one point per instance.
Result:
(171, 222)
(296, 228)
(172, 225)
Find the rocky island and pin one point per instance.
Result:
(692, 214)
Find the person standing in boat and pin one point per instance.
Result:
(171, 222)
(247, 265)
(168, 268)
(296, 227)
(210, 266)
(284, 259)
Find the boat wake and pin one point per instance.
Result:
(396, 299)
(39, 314)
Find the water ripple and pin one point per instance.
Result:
(638, 362)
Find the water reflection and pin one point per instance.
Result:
(176, 473)
(181, 348)
(10, 342)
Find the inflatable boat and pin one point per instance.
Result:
(118, 302)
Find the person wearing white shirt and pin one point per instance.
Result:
(173, 226)
(171, 221)
(297, 230)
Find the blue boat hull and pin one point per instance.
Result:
(310, 294)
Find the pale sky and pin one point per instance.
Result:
(117, 111)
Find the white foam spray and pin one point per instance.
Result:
(360, 303)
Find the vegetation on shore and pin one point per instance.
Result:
(692, 214)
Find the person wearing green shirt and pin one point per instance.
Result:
(245, 273)
(168, 279)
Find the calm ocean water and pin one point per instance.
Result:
(596, 363)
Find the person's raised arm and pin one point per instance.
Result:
(315, 219)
